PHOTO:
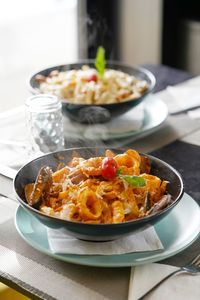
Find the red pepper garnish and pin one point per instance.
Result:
(92, 77)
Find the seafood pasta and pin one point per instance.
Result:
(109, 189)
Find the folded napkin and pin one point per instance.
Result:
(13, 137)
(179, 287)
(15, 143)
(61, 242)
(130, 121)
(194, 114)
(183, 98)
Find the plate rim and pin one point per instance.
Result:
(76, 259)
(131, 133)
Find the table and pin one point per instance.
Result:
(89, 282)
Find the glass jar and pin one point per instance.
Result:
(45, 125)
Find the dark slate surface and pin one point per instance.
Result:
(167, 76)
(185, 158)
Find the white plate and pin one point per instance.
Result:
(155, 113)
(176, 232)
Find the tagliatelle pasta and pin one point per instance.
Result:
(109, 189)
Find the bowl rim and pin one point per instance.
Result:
(127, 223)
(149, 74)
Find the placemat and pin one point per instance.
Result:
(186, 159)
(166, 75)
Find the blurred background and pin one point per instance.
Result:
(36, 34)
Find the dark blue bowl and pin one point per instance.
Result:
(97, 113)
(96, 232)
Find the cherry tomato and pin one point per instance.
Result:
(92, 77)
(108, 168)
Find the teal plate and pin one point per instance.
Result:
(155, 113)
(176, 231)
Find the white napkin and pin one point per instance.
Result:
(147, 240)
(14, 140)
(179, 287)
(194, 114)
(130, 121)
(184, 97)
(13, 137)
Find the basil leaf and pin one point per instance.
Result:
(100, 61)
(134, 180)
(119, 172)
